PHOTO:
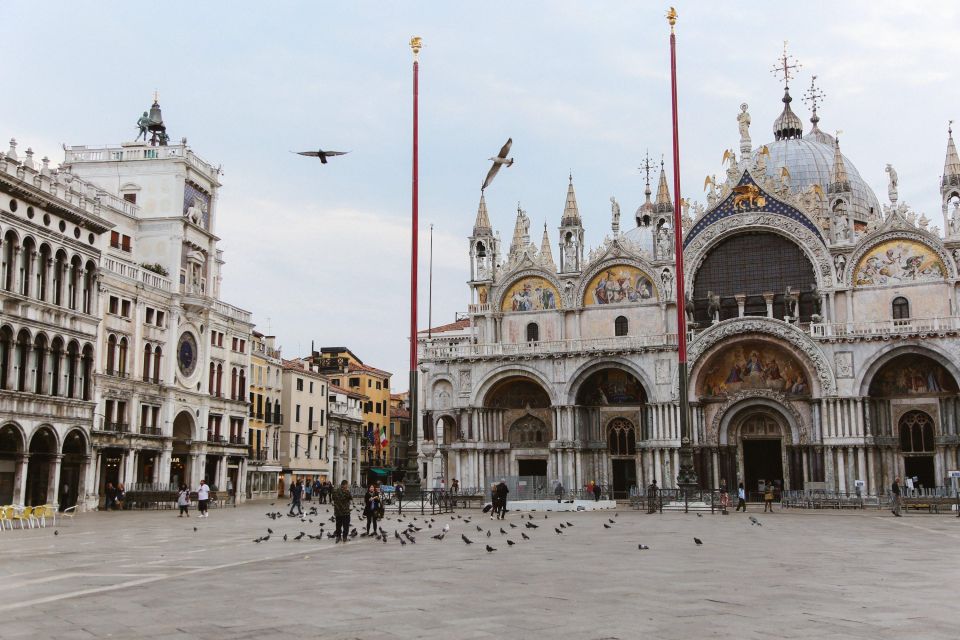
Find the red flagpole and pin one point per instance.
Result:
(415, 44)
(686, 476)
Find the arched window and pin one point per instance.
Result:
(916, 432)
(529, 432)
(111, 354)
(122, 356)
(219, 380)
(157, 355)
(621, 437)
(242, 385)
(233, 383)
(620, 326)
(901, 308)
(533, 332)
(212, 382)
(147, 353)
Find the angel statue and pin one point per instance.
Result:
(743, 123)
(614, 216)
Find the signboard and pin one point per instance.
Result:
(860, 484)
(953, 474)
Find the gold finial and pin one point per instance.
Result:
(416, 43)
(672, 18)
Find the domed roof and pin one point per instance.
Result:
(811, 162)
(641, 237)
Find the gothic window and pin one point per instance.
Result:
(754, 263)
(916, 432)
(901, 308)
(621, 437)
(620, 326)
(529, 432)
(533, 332)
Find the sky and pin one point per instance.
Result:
(321, 254)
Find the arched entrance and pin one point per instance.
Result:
(71, 468)
(761, 433)
(11, 450)
(622, 445)
(183, 433)
(528, 438)
(917, 445)
(43, 452)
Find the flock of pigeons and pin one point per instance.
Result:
(412, 527)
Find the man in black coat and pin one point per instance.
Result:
(500, 506)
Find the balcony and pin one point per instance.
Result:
(116, 373)
(237, 440)
(213, 438)
(115, 427)
(258, 456)
(344, 410)
(543, 349)
(150, 431)
(151, 379)
(885, 329)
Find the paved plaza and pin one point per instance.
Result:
(799, 575)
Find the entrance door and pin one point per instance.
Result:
(624, 477)
(920, 467)
(69, 484)
(532, 468)
(532, 482)
(762, 460)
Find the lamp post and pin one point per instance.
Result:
(687, 475)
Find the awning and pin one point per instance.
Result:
(380, 471)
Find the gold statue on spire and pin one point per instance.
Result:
(672, 18)
(416, 43)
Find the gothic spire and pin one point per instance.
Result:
(546, 256)
(663, 203)
(814, 96)
(571, 213)
(951, 164)
(521, 232)
(482, 225)
(839, 182)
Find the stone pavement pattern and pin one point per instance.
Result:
(800, 575)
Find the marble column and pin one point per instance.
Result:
(841, 470)
(53, 481)
(20, 479)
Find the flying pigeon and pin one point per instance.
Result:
(466, 539)
(320, 153)
(500, 160)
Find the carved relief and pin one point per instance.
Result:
(843, 362)
(775, 396)
(662, 371)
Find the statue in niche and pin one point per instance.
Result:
(664, 243)
(614, 216)
(839, 262)
(817, 304)
(666, 278)
(791, 300)
(743, 123)
(570, 254)
(689, 306)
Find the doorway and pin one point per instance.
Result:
(762, 462)
(921, 468)
(624, 477)
(528, 468)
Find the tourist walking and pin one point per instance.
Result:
(341, 511)
(109, 496)
(653, 492)
(559, 492)
(724, 498)
(455, 486)
(398, 491)
(296, 491)
(203, 498)
(318, 491)
(308, 490)
(183, 501)
(596, 492)
(501, 502)
(741, 498)
(895, 497)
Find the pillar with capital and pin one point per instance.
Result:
(20, 479)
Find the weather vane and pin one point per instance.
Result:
(787, 66)
(814, 96)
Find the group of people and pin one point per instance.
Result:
(114, 496)
(306, 490)
(498, 500)
(203, 499)
(373, 508)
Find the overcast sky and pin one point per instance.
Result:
(321, 253)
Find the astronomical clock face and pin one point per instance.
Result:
(187, 354)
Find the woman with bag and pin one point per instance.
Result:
(183, 501)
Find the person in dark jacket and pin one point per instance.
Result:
(296, 491)
(895, 497)
(109, 497)
(341, 511)
(500, 506)
(596, 492)
(371, 508)
(398, 491)
(653, 493)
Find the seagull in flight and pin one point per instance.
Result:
(320, 153)
(500, 160)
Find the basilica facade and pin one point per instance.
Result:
(822, 333)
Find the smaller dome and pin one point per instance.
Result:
(641, 236)
(788, 124)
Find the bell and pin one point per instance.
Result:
(156, 118)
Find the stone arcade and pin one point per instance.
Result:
(823, 336)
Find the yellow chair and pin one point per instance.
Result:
(6, 517)
(41, 513)
(24, 515)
